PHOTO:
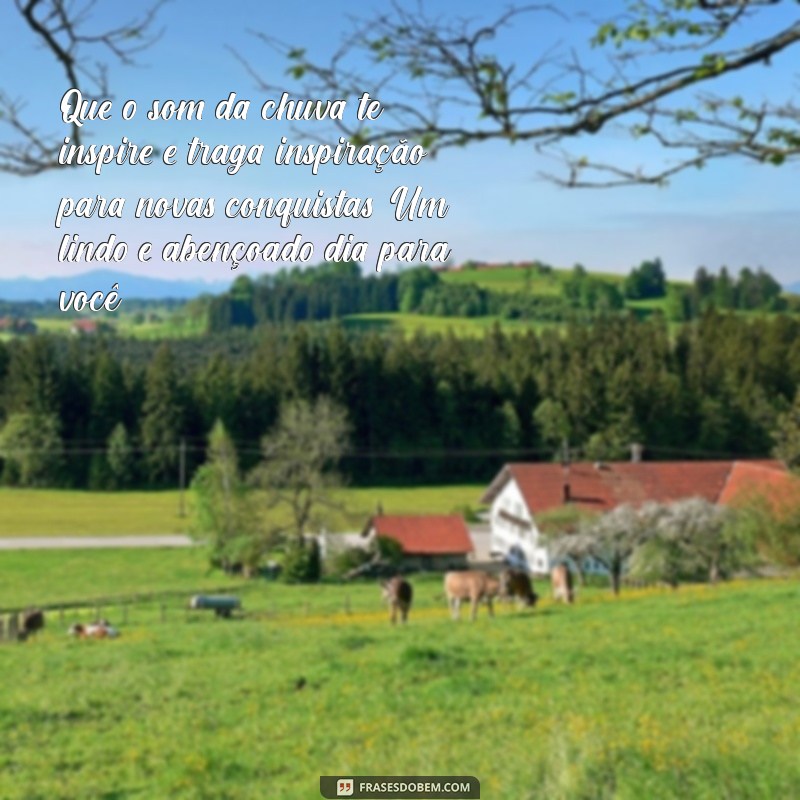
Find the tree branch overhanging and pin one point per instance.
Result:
(649, 70)
(64, 29)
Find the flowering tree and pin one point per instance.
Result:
(611, 539)
(694, 539)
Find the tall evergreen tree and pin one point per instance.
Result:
(163, 417)
(120, 459)
(33, 382)
(107, 401)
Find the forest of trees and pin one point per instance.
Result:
(331, 291)
(115, 413)
(747, 291)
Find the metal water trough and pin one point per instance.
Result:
(222, 605)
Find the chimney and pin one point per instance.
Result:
(636, 452)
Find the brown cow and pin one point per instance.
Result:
(515, 583)
(398, 593)
(561, 580)
(471, 585)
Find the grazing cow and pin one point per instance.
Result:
(398, 593)
(30, 622)
(471, 585)
(561, 580)
(514, 583)
(101, 629)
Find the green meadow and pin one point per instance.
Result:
(509, 279)
(53, 512)
(51, 577)
(518, 278)
(658, 694)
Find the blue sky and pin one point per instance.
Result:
(731, 213)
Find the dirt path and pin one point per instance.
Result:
(92, 542)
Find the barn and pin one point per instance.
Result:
(430, 541)
(522, 492)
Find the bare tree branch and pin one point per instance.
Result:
(442, 85)
(64, 28)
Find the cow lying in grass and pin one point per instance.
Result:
(101, 629)
(399, 594)
(471, 585)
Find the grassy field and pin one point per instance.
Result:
(166, 326)
(660, 694)
(47, 577)
(54, 325)
(520, 279)
(509, 279)
(44, 512)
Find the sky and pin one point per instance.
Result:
(731, 213)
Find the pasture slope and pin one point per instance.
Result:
(659, 694)
(55, 512)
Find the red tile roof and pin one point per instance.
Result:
(86, 325)
(601, 487)
(750, 480)
(434, 534)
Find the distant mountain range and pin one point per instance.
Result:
(131, 287)
(794, 288)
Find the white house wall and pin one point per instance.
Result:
(509, 538)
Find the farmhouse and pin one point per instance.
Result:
(90, 327)
(85, 327)
(522, 492)
(434, 541)
(757, 481)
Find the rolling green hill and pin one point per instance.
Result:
(46, 512)
(465, 300)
